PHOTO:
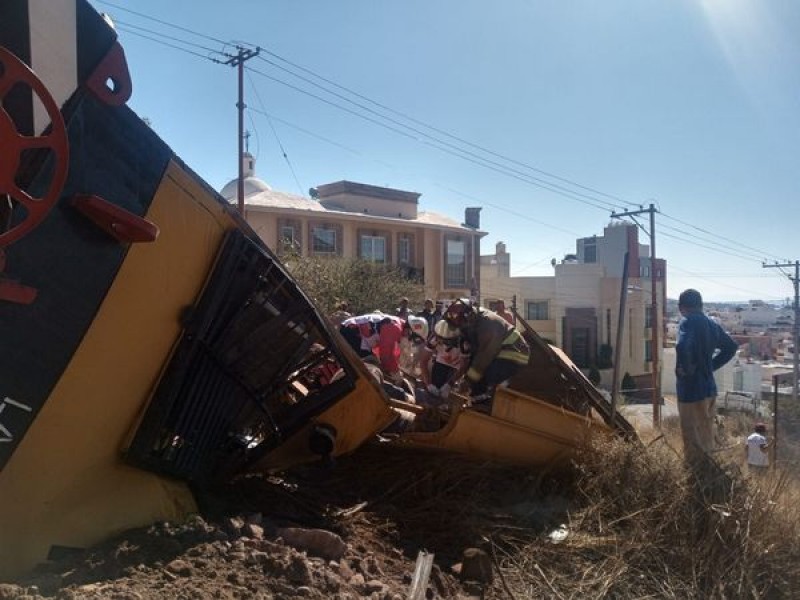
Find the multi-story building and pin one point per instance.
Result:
(578, 307)
(379, 224)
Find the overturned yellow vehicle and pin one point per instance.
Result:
(151, 341)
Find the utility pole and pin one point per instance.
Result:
(242, 55)
(654, 325)
(514, 308)
(623, 297)
(796, 325)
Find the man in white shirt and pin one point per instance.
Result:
(757, 449)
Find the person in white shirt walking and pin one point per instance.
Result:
(757, 450)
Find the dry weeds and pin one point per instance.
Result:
(643, 527)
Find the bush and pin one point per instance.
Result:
(366, 286)
(604, 357)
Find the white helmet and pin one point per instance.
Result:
(444, 330)
(418, 326)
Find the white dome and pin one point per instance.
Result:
(252, 185)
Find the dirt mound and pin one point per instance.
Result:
(350, 530)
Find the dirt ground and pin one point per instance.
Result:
(350, 530)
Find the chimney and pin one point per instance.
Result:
(472, 217)
(502, 259)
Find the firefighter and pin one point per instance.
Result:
(497, 348)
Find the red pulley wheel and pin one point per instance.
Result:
(12, 145)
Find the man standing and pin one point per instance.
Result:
(757, 450)
(427, 313)
(500, 309)
(702, 348)
(402, 311)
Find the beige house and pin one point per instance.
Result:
(379, 224)
(577, 307)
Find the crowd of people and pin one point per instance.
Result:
(465, 347)
(459, 346)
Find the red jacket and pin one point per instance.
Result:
(389, 336)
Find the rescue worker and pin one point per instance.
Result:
(443, 360)
(361, 332)
(497, 348)
(379, 333)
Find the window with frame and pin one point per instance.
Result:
(648, 317)
(288, 238)
(323, 240)
(373, 248)
(537, 310)
(403, 251)
(590, 252)
(455, 267)
(648, 351)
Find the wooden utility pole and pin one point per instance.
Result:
(655, 321)
(514, 308)
(242, 55)
(796, 325)
(623, 296)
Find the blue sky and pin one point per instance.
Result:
(565, 111)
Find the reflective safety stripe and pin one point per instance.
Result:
(513, 355)
(514, 348)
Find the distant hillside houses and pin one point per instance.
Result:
(756, 314)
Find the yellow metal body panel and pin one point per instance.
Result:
(356, 417)
(521, 429)
(65, 484)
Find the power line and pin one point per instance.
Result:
(447, 148)
(167, 44)
(720, 250)
(169, 37)
(728, 249)
(433, 141)
(711, 233)
(277, 139)
(167, 23)
(439, 143)
(426, 125)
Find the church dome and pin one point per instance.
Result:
(252, 184)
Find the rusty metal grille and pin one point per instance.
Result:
(254, 364)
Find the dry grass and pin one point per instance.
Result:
(637, 524)
(645, 528)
